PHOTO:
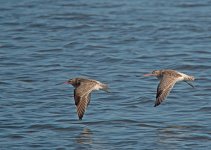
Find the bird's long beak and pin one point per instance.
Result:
(146, 75)
(62, 83)
(66, 82)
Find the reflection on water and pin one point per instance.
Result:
(168, 137)
(170, 132)
(85, 137)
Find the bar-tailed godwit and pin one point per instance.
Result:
(82, 92)
(168, 78)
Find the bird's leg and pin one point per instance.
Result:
(190, 84)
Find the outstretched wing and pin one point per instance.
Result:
(164, 88)
(82, 96)
(82, 105)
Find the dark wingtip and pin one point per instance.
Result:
(156, 104)
(80, 117)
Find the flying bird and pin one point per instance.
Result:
(168, 78)
(82, 92)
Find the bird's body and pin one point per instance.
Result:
(82, 92)
(168, 78)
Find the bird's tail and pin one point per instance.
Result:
(104, 87)
(189, 78)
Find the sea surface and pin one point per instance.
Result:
(45, 43)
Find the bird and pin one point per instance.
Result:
(168, 78)
(82, 92)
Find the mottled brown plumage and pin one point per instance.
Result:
(168, 78)
(82, 92)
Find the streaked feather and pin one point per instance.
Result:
(82, 105)
(82, 93)
(164, 88)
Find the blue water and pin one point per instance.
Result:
(44, 43)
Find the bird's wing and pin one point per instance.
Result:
(164, 88)
(82, 105)
(82, 96)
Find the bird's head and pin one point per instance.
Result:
(74, 82)
(156, 73)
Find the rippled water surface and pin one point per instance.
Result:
(44, 43)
